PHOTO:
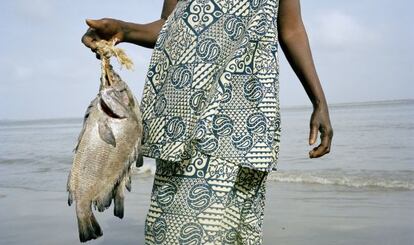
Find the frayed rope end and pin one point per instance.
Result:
(107, 49)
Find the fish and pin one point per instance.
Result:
(108, 146)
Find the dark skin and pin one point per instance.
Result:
(293, 41)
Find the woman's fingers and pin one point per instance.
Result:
(319, 151)
(313, 135)
(103, 29)
(90, 38)
(325, 146)
(95, 24)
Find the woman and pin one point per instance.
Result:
(211, 112)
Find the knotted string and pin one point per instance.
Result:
(106, 50)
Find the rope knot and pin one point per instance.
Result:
(107, 49)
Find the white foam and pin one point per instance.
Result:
(403, 180)
(363, 178)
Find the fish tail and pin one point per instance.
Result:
(119, 201)
(88, 227)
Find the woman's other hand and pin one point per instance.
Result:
(320, 122)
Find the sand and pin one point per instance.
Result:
(295, 214)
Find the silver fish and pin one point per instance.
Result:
(108, 145)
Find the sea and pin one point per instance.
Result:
(372, 152)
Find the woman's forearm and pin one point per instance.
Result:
(296, 48)
(144, 35)
(295, 44)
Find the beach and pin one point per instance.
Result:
(295, 214)
(362, 193)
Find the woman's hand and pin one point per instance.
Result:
(107, 29)
(144, 35)
(320, 122)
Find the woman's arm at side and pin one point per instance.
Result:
(294, 42)
(144, 35)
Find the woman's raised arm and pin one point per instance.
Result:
(144, 35)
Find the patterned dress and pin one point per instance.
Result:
(211, 117)
(206, 200)
(213, 84)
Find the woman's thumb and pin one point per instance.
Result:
(95, 24)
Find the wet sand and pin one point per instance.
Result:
(295, 214)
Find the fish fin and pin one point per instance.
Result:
(112, 105)
(95, 205)
(68, 189)
(103, 203)
(107, 200)
(105, 133)
(119, 202)
(85, 118)
(140, 160)
(128, 183)
(88, 228)
(101, 208)
(70, 198)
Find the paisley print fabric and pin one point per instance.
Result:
(206, 200)
(212, 84)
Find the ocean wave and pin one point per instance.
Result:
(363, 178)
(399, 180)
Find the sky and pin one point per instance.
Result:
(362, 50)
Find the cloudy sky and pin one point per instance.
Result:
(362, 49)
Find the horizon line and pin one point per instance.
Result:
(289, 107)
